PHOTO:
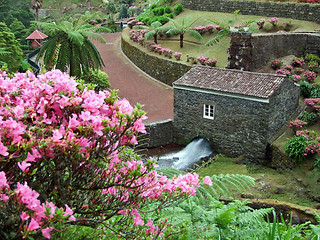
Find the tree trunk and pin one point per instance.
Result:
(181, 40)
(155, 37)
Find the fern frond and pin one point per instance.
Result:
(169, 172)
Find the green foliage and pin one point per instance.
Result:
(308, 90)
(310, 118)
(178, 9)
(98, 78)
(9, 43)
(123, 12)
(279, 229)
(69, 47)
(317, 165)
(295, 148)
(184, 28)
(311, 57)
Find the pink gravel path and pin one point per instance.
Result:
(132, 83)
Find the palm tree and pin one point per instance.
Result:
(36, 4)
(153, 30)
(69, 47)
(184, 28)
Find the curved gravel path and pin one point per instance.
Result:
(133, 84)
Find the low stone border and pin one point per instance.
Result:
(164, 70)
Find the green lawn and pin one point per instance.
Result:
(195, 48)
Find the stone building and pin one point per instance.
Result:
(237, 111)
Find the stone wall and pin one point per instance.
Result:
(269, 46)
(238, 128)
(159, 133)
(164, 70)
(307, 12)
(241, 126)
(283, 104)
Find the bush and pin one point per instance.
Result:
(276, 64)
(311, 57)
(98, 78)
(306, 88)
(167, 9)
(315, 92)
(313, 66)
(317, 164)
(178, 9)
(295, 148)
(309, 118)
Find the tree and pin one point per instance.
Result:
(18, 30)
(36, 4)
(153, 30)
(69, 47)
(9, 43)
(184, 28)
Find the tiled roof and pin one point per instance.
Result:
(260, 85)
(37, 35)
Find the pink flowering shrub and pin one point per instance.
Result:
(202, 60)
(273, 21)
(33, 217)
(212, 62)
(296, 78)
(177, 55)
(283, 72)
(276, 64)
(313, 103)
(297, 124)
(73, 146)
(260, 23)
(309, 76)
(297, 62)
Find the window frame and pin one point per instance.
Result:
(208, 111)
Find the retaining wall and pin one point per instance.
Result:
(307, 12)
(269, 46)
(158, 134)
(164, 70)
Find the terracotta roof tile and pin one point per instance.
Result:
(231, 81)
(37, 35)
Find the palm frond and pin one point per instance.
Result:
(174, 31)
(221, 34)
(221, 24)
(64, 56)
(76, 37)
(194, 34)
(149, 35)
(95, 36)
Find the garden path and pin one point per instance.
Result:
(133, 84)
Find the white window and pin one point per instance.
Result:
(208, 111)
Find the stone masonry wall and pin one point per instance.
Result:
(163, 70)
(159, 133)
(239, 126)
(269, 46)
(307, 12)
(283, 106)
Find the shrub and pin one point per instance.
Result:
(260, 23)
(309, 118)
(306, 88)
(297, 62)
(273, 21)
(317, 164)
(297, 125)
(296, 78)
(178, 9)
(315, 92)
(310, 76)
(74, 146)
(295, 148)
(177, 55)
(167, 9)
(98, 78)
(311, 57)
(276, 64)
(313, 66)
(212, 62)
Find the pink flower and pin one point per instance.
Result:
(3, 149)
(24, 216)
(24, 166)
(3, 180)
(207, 180)
(46, 232)
(33, 225)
